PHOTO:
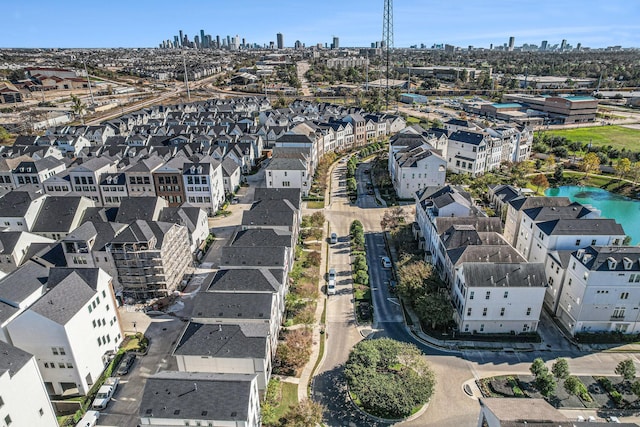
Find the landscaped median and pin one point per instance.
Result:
(361, 288)
(388, 379)
(566, 391)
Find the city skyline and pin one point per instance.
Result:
(358, 23)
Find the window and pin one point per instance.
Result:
(69, 365)
(41, 412)
(482, 327)
(528, 311)
(484, 311)
(578, 242)
(502, 311)
(90, 309)
(469, 311)
(7, 420)
(624, 295)
(506, 294)
(488, 295)
(593, 242)
(618, 313)
(61, 351)
(61, 365)
(286, 184)
(1, 402)
(471, 294)
(99, 342)
(54, 350)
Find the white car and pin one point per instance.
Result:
(105, 393)
(386, 262)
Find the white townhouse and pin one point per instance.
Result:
(203, 184)
(499, 297)
(417, 168)
(467, 152)
(23, 397)
(14, 249)
(601, 290)
(85, 177)
(71, 329)
(515, 212)
(36, 171)
(288, 173)
(214, 399)
(19, 210)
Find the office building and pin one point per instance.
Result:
(280, 40)
(181, 37)
(563, 45)
(543, 45)
(512, 41)
(218, 42)
(336, 43)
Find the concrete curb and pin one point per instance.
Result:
(388, 420)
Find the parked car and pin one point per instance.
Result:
(334, 238)
(90, 419)
(386, 262)
(331, 287)
(105, 393)
(125, 364)
(235, 201)
(332, 274)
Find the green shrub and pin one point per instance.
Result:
(605, 383)
(616, 397)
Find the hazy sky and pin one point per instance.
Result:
(143, 23)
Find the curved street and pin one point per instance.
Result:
(450, 405)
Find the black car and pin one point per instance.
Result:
(126, 363)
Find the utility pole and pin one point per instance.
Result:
(88, 80)
(387, 37)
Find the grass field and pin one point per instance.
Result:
(289, 398)
(616, 136)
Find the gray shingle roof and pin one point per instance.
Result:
(547, 213)
(197, 396)
(286, 164)
(627, 258)
(236, 307)
(485, 274)
(6, 312)
(261, 237)
(12, 359)
(270, 213)
(57, 214)
(16, 203)
(23, 282)
(69, 293)
(224, 340)
(481, 224)
(474, 138)
(244, 280)
(522, 202)
(134, 208)
(252, 257)
(484, 253)
(293, 195)
(577, 227)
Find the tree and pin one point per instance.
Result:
(306, 413)
(540, 180)
(434, 308)
(362, 277)
(622, 167)
(590, 163)
(314, 258)
(572, 385)
(294, 352)
(635, 172)
(635, 388)
(538, 367)
(4, 135)
(78, 107)
(352, 185)
(558, 173)
(545, 384)
(560, 369)
(626, 369)
(393, 218)
(317, 219)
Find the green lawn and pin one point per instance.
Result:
(289, 398)
(616, 136)
(315, 204)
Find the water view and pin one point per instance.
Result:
(623, 209)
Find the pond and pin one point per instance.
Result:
(624, 210)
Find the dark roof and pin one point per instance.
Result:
(244, 280)
(143, 232)
(586, 227)
(23, 282)
(270, 213)
(485, 253)
(16, 203)
(8, 241)
(183, 215)
(261, 237)
(227, 305)
(294, 138)
(485, 274)
(57, 214)
(134, 208)
(474, 138)
(12, 359)
(247, 340)
(481, 224)
(547, 213)
(252, 257)
(522, 202)
(506, 193)
(197, 396)
(7, 311)
(286, 164)
(293, 195)
(71, 289)
(597, 258)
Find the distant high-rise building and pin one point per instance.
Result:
(228, 41)
(579, 46)
(449, 48)
(512, 42)
(176, 41)
(272, 45)
(297, 45)
(181, 37)
(218, 41)
(280, 40)
(543, 45)
(491, 46)
(336, 43)
(196, 40)
(244, 43)
(563, 45)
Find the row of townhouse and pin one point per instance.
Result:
(592, 278)
(225, 352)
(419, 158)
(492, 287)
